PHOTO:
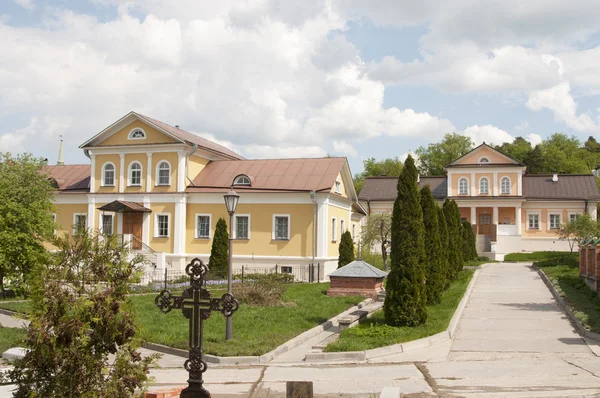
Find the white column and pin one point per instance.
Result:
(449, 190)
(119, 223)
(93, 174)
(181, 171)
(91, 216)
(473, 184)
(495, 215)
(495, 192)
(179, 226)
(473, 215)
(122, 174)
(322, 226)
(146, 222)
(518, 219)
(520, 184)
(149, 169)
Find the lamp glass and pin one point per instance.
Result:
(231, 201)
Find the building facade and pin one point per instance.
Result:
(510, 210)
(162, 189)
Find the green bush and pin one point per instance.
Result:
(264, 292)
(279, 277)
(219, 252)
(346, 249)
(435, 273)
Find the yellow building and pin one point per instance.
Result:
(162, 189)
(510, 210)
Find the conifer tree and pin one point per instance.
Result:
(219, 253)
(473, 243)
(454, 238)
(346, 249)
(434, 273)
(444, 244)
(406, 297)
(466, 232)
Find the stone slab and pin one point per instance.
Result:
(14, 353)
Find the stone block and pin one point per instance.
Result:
(299, 389)
(14, 353)
(390, 392)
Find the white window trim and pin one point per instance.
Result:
(288, 226)
(102, 177)
(196, 226)
(488, 185)
(54, 220)
(537, 213)
(75, 222)
(235, 217)
(101, 224)
(333, 229)
(157, 179)
(573, 213)
(129, 136)
(467, 181)
(554, 213)
(129, 176)
(156, 235)
(342, 222)
(509, 185)
(484, 157)
(236, 180)
(338, 186)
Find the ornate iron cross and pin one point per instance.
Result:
(196, 305)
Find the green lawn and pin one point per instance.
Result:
(11, 337)
(18, 306)
(476, 263)
(373, 332)
(256, 330)
(541, 256)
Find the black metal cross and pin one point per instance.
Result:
(196, 305)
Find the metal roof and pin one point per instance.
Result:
(359, 269)
(385, 188)
(122, 206)
(74, 177)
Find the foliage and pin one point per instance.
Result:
(25, 216)
(279, 278)
(535, 161)
(264, 292)
(373, 259)
(219, 253)
(577, 230)
(374, 332)
(557, 257)
(434, 273)
(562, 154)
(519, 149)
(373, 168)
(406, 298)
(444, 244)
(433, 158)
(75, 328)
(346, 249)
(377, 230)
(469, 249)
(11, 337)
(454, 253)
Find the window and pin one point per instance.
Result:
(54, 221)
(534, 221)
(338, 187)
(202, 226)
(463, 186)
(79, 223)
(286, 270)
(463, 219)
(135, 174)
(164, 173)
(573, 216)
(107, 224)
(484, 160)
(506, 220)
(484, 185)
(505, 185)
(242, 179)
(281, 226)
(554, 221)
(333, 234)
(342, 227)
(161, 229)
(353, 231)
(108, 175)
(242, 227)
(137, 134)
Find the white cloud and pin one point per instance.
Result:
(534, 139)
(489, 134)
(344, 148)
(524, 125)
(28, 4)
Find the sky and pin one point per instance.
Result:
(299, 78)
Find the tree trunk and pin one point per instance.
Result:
(384, 256)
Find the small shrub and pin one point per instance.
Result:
(264, 292)
(279, 278)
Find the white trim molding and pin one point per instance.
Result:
(130, 176)
(235, 222)
(196, 235)
(509, 185)
(157, 180)
(537, 213)
(156, 215)
(75, 215)
(122, 173)
(101, 221)
(333, 229)
(131, 137)
(149, 172)
(274, 227)
(460, 191)
(480, 192)
(103, 174)
(549, 225)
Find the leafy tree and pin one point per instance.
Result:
(433, 158)
(468, 240)
(390, 167)
(535, 161)
(406, 298)
(76, 330)
(377, 230)
(578, 230)
(455, 259)
(592, 145)
(434, 273)
(219, 253)
(444, 244)
(25, 216)
(563, 154)
(519, 149)
(346, 249)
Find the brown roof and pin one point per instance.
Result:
(573, 186)
(74, 177)
(123, 206)
(385, 188)
(192, 138)
(270, 174)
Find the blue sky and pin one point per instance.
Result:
(302, 78)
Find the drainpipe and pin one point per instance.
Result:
(187, 163)
(86, 152)
(313, 197)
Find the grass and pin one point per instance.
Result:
(256, 330)
(373, 332)
(541, 256)
(11, 337)
(17, 306)
(478, 262)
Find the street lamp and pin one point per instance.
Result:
(231, 201)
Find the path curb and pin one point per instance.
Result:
(565, 307)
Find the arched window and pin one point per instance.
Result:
(505, 185)
(463, 186)
(135, 174)
(242, 179)
(484, 160)
(484, 185)
(137, 134)
(108, 175)
(164, 173)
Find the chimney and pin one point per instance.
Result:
(555, 177)
(61, 156)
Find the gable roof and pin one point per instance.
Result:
(509, 161)
(305, 174)
(385, 188)
(173, 132)
(568, 186)
(74, 178)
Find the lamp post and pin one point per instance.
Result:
(231, 201)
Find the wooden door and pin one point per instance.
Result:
(485, 224)
(132, 224)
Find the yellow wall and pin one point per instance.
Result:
(153, 136)
(64, 219)
(493, 156)
(196, 165)
(100, 161)
(339, 214)
(344, 191)
(172, 158)
(543, 232)
(506, 212)
(514, 181)
(490, 177)
(162, 244)
(457, 176)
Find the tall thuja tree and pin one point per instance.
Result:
(454, 238)
(219, 253)
(434, 273)
(346, 250)
(467, 242)
(444, 245)
(406, 298)
(473, 243)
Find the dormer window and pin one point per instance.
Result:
(338, 187)
(484, 160)
(242, 179)
(137, 134)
